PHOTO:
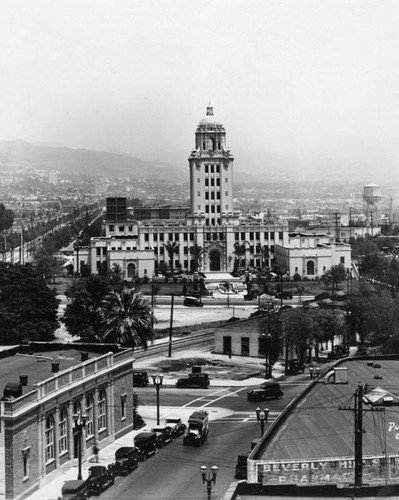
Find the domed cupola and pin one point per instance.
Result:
(210, 122)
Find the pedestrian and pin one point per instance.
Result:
(96, 451)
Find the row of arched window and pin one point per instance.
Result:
(64, 420)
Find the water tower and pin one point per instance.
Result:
(372, 197)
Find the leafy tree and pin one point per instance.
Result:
(6, 218)
(81, 316)
(197, 251)
(127, 319)
(28, 308)
(334, 275)
(171, 248)
(46, 264)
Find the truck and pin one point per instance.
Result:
(197, 429)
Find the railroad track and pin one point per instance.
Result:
(178, 344)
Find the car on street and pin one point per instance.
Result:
(146, 442)
(100, 478)
(192, 302)
(194, 381)
(127, 459)
(140, 378)
(176, 425)
(164, 435)
(74, 490)
(271, 391)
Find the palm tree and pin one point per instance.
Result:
(197, 251)
(127, 318)
(240, 251)
(171, 247)
(264, 253)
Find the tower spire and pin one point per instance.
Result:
(209, 110)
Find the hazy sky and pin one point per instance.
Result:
(306, 78)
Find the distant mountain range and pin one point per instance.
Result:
(68, 161)
(249, 166)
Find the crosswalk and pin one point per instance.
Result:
(245, 416)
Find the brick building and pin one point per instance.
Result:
(43, 391)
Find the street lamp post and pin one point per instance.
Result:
(209, 478)
(80, 423)
(157, 381)
(262, 416)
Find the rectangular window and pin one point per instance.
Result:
(112, 227)
(243, 236)
(272, 236)
(98, 251)
(212, 169)
(218, 181)
(155, 237)
(25, 461)
(130, 229)
(161, 237)
(123, 407)
(206, 169)
(212, 195)
(206, 196)
(185, 236)
(212, 182)
(206, 182)
(63, 429)
(218, 195)
(218, 166)
(280, 235)
(218, 209)
(342, 260)
(121, 229)
(146, 237)
(207, 209)
(191, 236)
(245, 346)
(104, 251)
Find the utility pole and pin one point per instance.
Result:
(171, 326)
(359, 431)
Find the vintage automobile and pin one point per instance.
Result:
(164, 435)
(194, 380)
(192, 302)
(127, 459)
(295, 367)
(140, 378)
(268, 391)
(74, 490)
(100, 478)
(146, 442)
(176, 425)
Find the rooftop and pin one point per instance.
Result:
(318, 428)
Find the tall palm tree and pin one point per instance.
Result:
(240, 250)
(197, 251)
(263, 251)
(171, 247)
(127, 318)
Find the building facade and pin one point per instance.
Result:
(37, 433)
(222, 238)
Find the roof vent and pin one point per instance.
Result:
(23, 379)
(55, 367)
(84, 356)
(12, 390)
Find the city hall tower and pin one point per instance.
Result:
(211, 174)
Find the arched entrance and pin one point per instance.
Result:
(310, 268)
(214, 260)
(131, 271)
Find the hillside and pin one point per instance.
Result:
(19, 154)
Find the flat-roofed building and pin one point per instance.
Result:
(44, 387)
(313, 441)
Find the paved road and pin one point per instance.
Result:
(174, 473)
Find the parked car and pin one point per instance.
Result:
(74, 490)
(295, 367)
(100, 478)
(176, 425)
(146, 442)
(126, 459)
(192, 302)
(194, 380)
(164, 435)
(271, 391)
(140, 378)
(339, 351)
(284, 295)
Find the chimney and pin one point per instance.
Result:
(55, 367)
(23, 379)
